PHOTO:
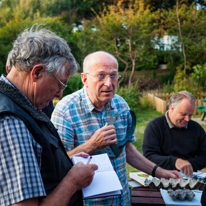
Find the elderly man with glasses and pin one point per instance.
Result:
(35, 169)
(82, 122)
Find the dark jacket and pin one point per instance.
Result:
(163, 145)
(54, 162)
(49, 109)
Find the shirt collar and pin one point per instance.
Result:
(88, 104)
(169, 122)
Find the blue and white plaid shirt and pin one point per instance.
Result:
(20, 160)
(77, 119)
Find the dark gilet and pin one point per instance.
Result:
(54, 162)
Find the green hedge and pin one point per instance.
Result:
(74, 84)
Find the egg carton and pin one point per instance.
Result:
(181, 194)
(163, 183)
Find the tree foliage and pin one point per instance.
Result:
(127, 33)
(154, 5)
(199, 76)
(129, 29)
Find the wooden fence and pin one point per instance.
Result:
(160, 101)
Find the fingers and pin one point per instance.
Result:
(109, 133)
(167, 174)
(94, 167)
(81, 154)
(187, 170)
(108, 127)
(82, 175)
(176, 175)
(184, 166)
(103, 137)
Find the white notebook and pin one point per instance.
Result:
(105, 181)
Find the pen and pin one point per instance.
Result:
(89, 159)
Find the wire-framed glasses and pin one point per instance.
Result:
(102, 77)
(62, 86)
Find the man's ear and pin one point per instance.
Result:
(7, 69)
(37, 72)
(172, 108)
(84, 79)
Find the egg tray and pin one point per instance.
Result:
(181, 194)
(175, 184)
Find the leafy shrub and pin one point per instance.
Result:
(145, 103)
(167, 88)
(199, 76)
(168, 78)
(181, 80)
(131, 96)
(74, 84)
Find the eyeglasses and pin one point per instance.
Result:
(102, 77)
(62, 86)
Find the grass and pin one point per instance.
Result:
(143, 117)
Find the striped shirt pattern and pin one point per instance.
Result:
(77, 119)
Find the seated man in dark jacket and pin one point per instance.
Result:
(174, 141)
(35, 169)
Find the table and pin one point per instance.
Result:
(142, 196)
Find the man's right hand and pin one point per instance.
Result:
(184, 166)
(82, 175)
(103, 137)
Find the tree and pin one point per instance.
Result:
(9, 32)
(154, 5)
(126, 33)
(188, 24)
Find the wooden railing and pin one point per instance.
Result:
(160, 101)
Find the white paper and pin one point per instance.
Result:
(105, 181)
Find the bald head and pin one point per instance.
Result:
(95, 58)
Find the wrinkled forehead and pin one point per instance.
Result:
(104, 67)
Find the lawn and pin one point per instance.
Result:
(143, 118)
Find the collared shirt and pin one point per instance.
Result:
(77, 119)
(169, 122)
(20, 160)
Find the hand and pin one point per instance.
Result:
(82, 175)
(80, 154)
(167, 174)
(184, 166)
(104, 137)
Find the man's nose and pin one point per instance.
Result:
(58, 94)
(108, 81)
(187, 118)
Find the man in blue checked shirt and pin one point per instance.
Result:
(34, 167)
(82, 122)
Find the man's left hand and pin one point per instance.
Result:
(162, 173)
(184, 166)
(80, 154)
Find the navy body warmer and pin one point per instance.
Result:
(54, 162)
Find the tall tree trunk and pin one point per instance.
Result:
(124, 73)
(182, 42)
(132, 72)
(122, 60)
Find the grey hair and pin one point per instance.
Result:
(177, 98)
(41, 46)
(89, 60)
